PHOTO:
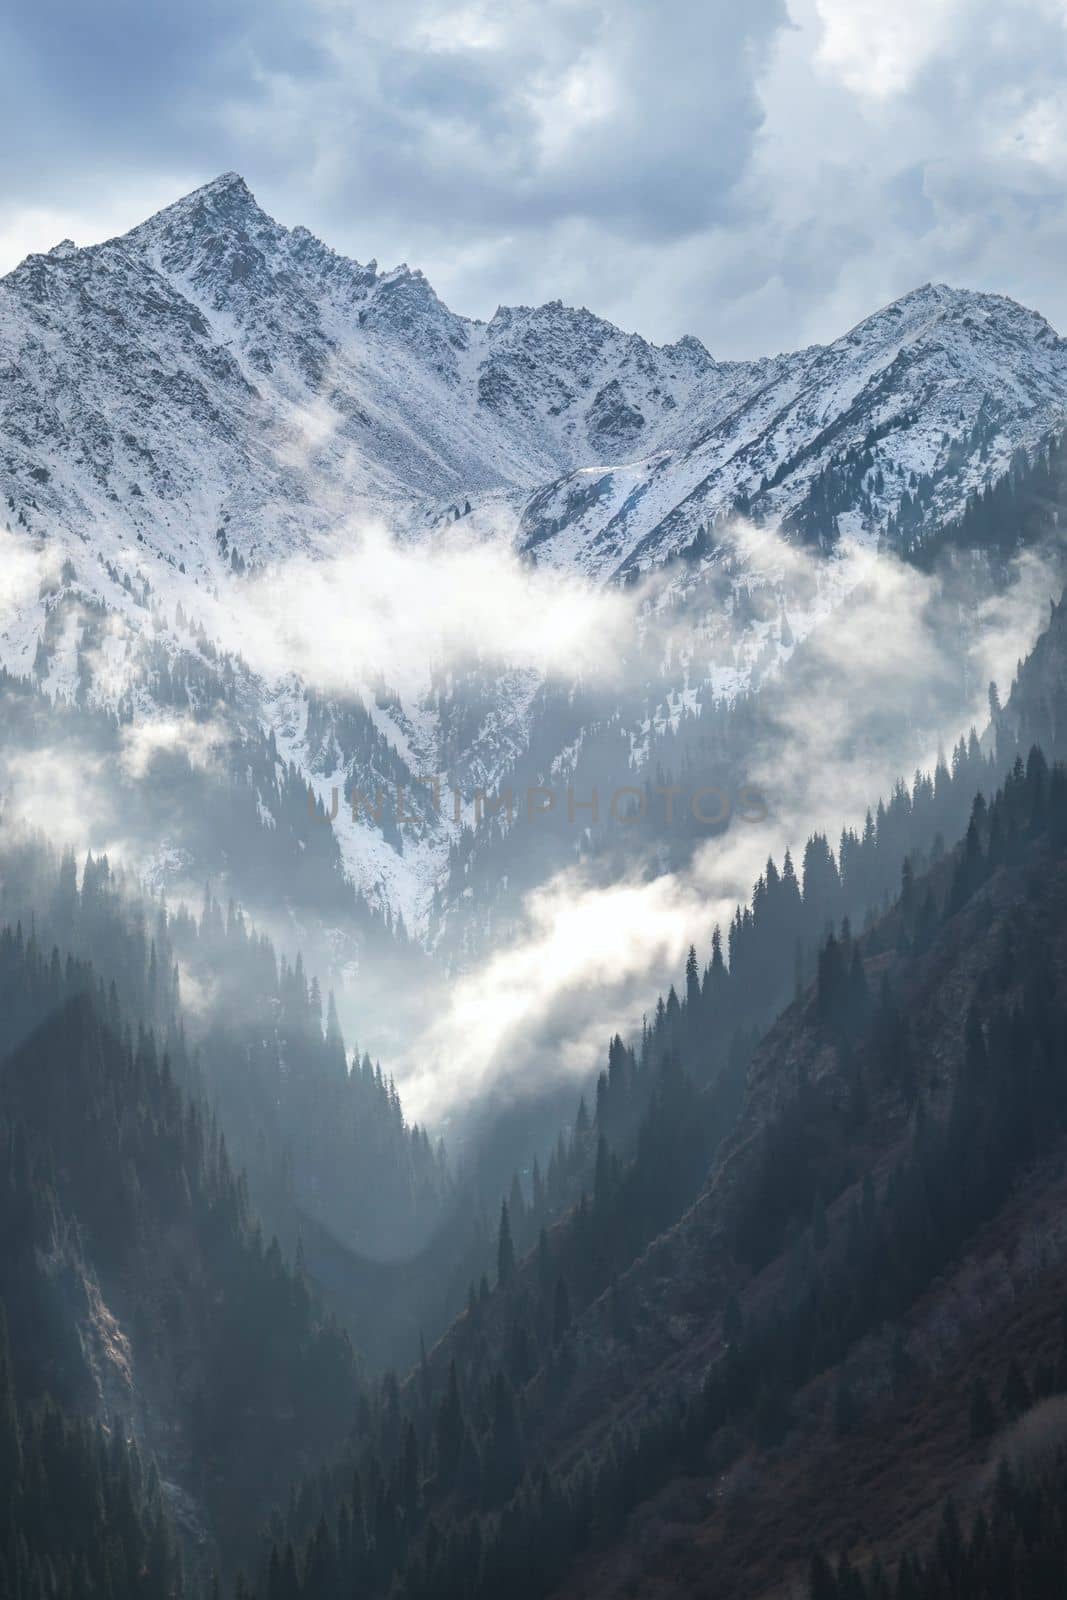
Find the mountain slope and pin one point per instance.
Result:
(882, 1227)
(214, 394)
(942, 384)
(136, 1282)
(213, 365)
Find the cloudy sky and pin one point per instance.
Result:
(761, 174)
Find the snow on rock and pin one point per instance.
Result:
(214, 392)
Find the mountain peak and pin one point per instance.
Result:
(955, 300)
(229, 185)
(226, 197)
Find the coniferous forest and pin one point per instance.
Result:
(816, 1129)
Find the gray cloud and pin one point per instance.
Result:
(760, 175)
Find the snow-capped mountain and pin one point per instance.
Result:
(215, 392)
(214, 367)
(942, 385)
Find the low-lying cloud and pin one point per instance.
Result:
(898, 666)
(380, 608)
(883, 685)
(142, 742)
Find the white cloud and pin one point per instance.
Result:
(378, 606)
(24, 566)
(886, 684)
(880, 50)
(541, 1009)
(141, 742)
(65, 798)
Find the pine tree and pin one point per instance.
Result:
(983, 1419)
(692, 986)
(1016, 1396)
(505, 1249)
(10, 1437)
(449, 1429)
(561, 1312)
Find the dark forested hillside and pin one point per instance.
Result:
(143, 1294)
(254, 1321)
(620, 1406)
(779, 1214)
(136, 1283)
(81, 1514)
(708, 1023)
(326, 1151)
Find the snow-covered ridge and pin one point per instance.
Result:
(943, 382)
(214, 365)
(214, 391)
(214, 368)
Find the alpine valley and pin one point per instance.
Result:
(688, 1220)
